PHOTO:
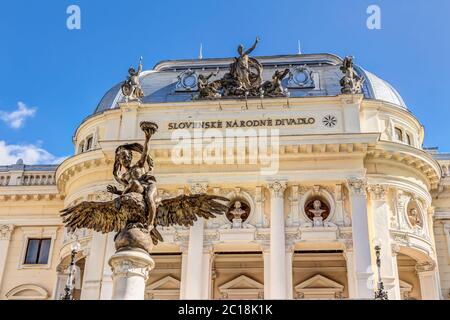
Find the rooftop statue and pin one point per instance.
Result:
(351, 83)
(274, 88)
(135, 213)
(131, 88)
(244, 79)
(206, 89)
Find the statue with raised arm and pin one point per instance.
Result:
(131, 88)
(274, 87)
(206, 89)
(135, 213)
(242, 65)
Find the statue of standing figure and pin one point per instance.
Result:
(351, 83)
(131, 88)
(241, 70)
(245, 76)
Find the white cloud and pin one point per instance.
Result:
(29, 153)
(16, 119)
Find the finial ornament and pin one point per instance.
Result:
(135, 212)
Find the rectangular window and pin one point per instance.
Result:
(409, 139)
(89, 144)
(398, 134)
(37, 251)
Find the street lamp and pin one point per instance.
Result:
(380, 294)
(68, 289)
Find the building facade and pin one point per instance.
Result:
(333, 174)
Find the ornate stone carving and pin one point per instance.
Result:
(6, 231)
(277, 189)
(377, 192)
(198, 188)
(351, 83)
(357, 186)
(425, 266)
(129, 264)
(301, 77)
(187, 81)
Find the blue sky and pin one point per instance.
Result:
(52, 77)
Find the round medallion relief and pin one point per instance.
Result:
(238, 209)
(317, 207)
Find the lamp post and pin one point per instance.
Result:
(380, 294)
(68, 289)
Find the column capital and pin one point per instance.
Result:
(126, 264)
(277, 188)
(357, 186)
(6, 231)
(377, 192)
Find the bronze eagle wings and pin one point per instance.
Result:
(116, 214)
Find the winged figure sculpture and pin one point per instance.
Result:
(135, 213)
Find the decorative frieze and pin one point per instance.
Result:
(198, 188)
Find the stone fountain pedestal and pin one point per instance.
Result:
(130, 271)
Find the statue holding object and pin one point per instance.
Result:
(131, 88)
(135, 213)
(351, 83)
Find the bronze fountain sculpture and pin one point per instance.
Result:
(134, 214)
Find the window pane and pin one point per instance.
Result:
(44, 251)
(398, 134)
(32, 251)
(408, 137)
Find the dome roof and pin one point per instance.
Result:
(160, 84)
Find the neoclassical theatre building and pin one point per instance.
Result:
(342, 172)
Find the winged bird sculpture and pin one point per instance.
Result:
(134, 214)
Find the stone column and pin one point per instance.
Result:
(93, 271)
(130, 271)
(289, 284)
(194, 262)
(277, 241)
(429, 281)
(6, 231)
(381, 224)
(107, 282)
(266, 257)
(207, 260)
(351, 276)
(361, 241)
(184, 274)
